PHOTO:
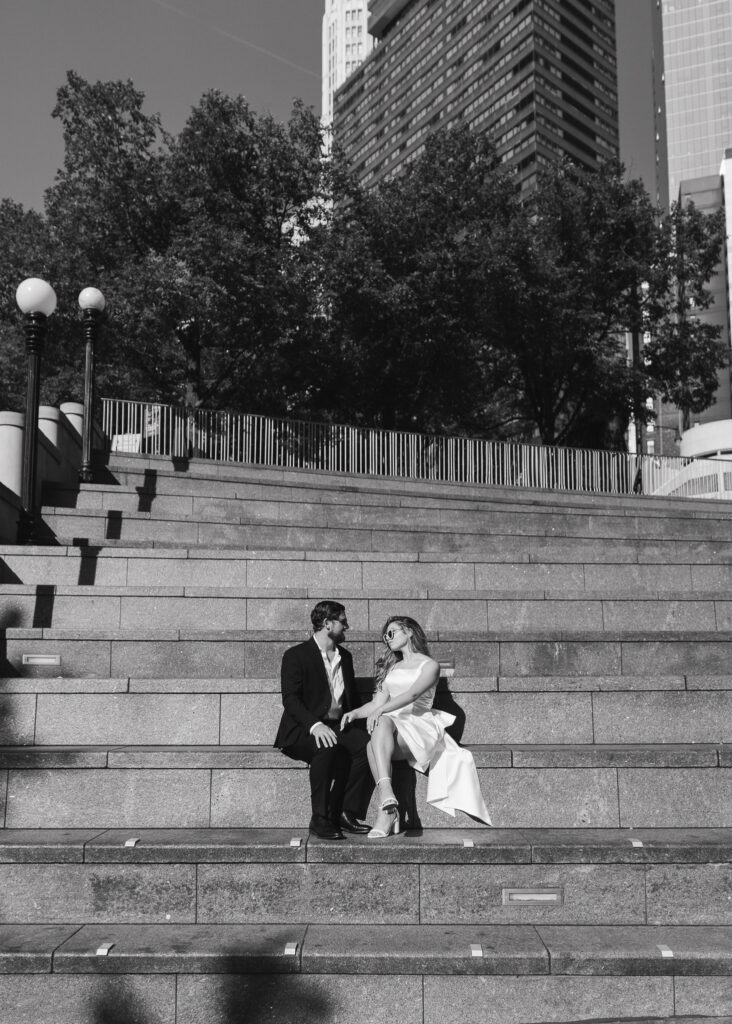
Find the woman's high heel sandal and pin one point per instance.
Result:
(386, 794)
(391, 829)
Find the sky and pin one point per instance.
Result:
(173, 51)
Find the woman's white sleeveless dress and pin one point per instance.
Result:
(452, 782)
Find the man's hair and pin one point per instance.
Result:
(325, 610)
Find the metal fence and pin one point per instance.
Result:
(179, 432)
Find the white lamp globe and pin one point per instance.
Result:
(91, 298)
(36, 296)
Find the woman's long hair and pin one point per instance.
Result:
(386, 662)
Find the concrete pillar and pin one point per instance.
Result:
(74, 413)
(12, 425)
(49, 423)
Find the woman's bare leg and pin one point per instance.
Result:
(381, 748)
(372, 763)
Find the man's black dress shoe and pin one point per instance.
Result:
(324, 828)
(348, 822)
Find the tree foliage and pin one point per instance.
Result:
(193, 241)
(398, 276)
(244, 271)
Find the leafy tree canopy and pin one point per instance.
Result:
(192, 240)
(245, 271)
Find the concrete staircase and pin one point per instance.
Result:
(586, 648)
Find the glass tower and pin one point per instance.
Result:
(697, 42)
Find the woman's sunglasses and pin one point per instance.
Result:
(391, 633)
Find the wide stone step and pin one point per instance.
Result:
(506, 564)
(206, 654)
(251, 608)
(548, 846)
(343, 949)
(178, 974)
(44, 684)
(259, 876)
(481, 716)
(220, 787)
(156, 475)
(270, 504)
(362, 529)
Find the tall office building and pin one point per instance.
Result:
(711, 194)
(538, 75)
(697, 41)
(641, 95)
(346, 42)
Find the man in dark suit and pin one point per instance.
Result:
(318, 686)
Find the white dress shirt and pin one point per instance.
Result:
(334, 672)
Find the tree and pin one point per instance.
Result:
(684, 351)
(575, 260)
(243, 271)
(397, 271)
(194, 241)
(108, 203)
(246, 192)
(28, 250)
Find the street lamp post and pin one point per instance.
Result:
(37, 300)
(91, 303)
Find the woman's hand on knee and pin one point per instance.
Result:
(373, 720)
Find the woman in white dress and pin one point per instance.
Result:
(404, 726)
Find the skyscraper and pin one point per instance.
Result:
(538, 75)
(697, 41)
(711, 194)
(641, 95)
(346, 42)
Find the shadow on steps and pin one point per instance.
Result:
(226, 997)
(264, 999)
(9, 620)
(6, 573)
(147, 491)
(117, 1005)
(43, 608)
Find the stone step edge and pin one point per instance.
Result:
(291, 635)
(290, 476)
(247, 757)
(401, 502)
(622, 594)
(156, 549)
(507, 846)
(560, 950)
(224, 547)
(459, 683)
(105, 515)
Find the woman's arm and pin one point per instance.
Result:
(379, 698)
(428, 676)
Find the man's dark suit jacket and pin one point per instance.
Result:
(306, 693)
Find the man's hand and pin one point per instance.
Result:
(324, 735)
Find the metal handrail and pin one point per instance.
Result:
(181, 432)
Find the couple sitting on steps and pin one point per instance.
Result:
(321, 704)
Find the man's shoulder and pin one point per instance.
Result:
(299, 649)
